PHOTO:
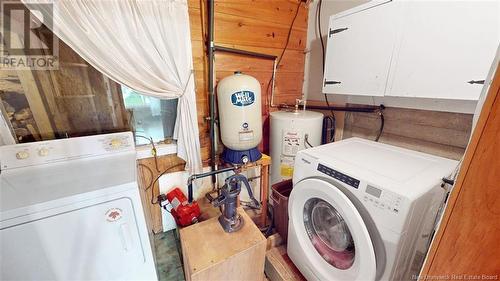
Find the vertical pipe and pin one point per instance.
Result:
(275, 65)
(210, 48)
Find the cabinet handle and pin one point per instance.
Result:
(333, 31)
(331, 82)
(476, 82)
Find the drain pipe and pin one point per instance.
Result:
(365, 109)
(211, 95)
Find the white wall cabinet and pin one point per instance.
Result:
(360, 44)
(433, 49)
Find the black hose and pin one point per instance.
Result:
(158, 177)
(328, 130)
(269, 229)
(320, 33)
(153, 149)
(290, 29)
(333, 129)
(306, 140)
(382, 121)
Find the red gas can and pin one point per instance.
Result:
(183, 212)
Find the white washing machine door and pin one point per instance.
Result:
(328, 239)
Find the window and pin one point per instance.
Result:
(77, 100)
(151, 117)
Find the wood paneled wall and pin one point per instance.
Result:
(253, 25)
(440, 133)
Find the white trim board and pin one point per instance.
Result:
(144, 151)
(6, 136)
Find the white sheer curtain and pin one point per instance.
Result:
(143, 44)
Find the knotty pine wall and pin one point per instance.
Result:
(259, 26)
(254, 25)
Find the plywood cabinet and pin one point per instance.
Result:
(359, 50)
(417, 49)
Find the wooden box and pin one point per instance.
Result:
(209, 253)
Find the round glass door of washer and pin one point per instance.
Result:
(329, 233)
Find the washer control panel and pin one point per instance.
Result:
(338, 176)
(382, 199)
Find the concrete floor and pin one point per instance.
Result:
(168, 259)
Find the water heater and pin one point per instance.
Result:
(292, 131)
(240, 117)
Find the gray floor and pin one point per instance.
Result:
(168, 260)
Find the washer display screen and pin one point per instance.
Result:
(373, 191)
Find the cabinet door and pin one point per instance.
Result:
(442, 46)
(359, 51)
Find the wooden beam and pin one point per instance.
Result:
(60, 119)
(33, 96)
(36, 104)
(279, 267)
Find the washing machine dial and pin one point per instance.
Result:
(43, 152)
(22, 154)
(115, 143)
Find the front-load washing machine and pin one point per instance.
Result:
(362, 210)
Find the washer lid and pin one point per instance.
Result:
(331, 232)
(26, 186)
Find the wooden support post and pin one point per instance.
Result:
(36, 104)
(33, 96)
(264, 188)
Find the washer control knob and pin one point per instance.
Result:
(43, 151)
(115, 143)
(22, 154)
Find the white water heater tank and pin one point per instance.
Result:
(240, 117)
(292, 131)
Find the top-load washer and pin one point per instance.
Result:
(362, 210)
(70, 209)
